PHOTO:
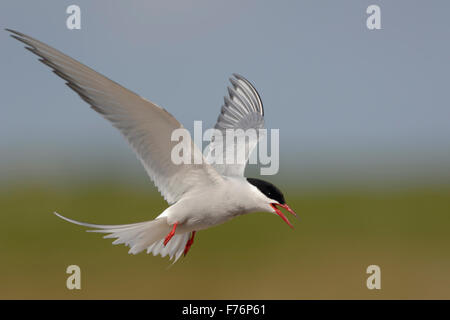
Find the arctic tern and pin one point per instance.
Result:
(200, 195)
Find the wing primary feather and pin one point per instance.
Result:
(242, 109)
(233, 111)
(233, 94)
(246, 93)
(230, 102)
(255, 92)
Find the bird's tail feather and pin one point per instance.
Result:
(140, 236)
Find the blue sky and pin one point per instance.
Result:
(345, 99)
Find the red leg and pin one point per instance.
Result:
(189, 243)
(171, 234)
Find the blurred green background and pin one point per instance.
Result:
(257, 256)
(364, 148)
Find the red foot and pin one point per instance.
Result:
(171, 234)
(189, 243)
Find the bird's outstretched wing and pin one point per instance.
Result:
(146, 126)
(242, 110)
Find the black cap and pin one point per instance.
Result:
(268, 189)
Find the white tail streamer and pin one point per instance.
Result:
(147, 235)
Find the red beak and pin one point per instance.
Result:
(282, 216)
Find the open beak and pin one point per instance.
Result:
(282, 216)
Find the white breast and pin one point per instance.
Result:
(213, 205)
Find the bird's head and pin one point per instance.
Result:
(272, 198)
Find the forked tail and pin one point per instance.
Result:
(140, 236)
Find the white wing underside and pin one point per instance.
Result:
(242, 109)
(146, 126)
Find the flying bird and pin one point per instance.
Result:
(199, 195)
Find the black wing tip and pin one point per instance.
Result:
(231, 91)
(15, 37)
(14, 33)
(234, 82)
(238, 76)
(19, 37)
